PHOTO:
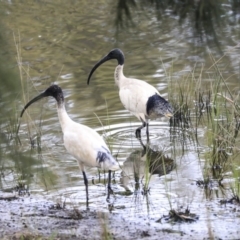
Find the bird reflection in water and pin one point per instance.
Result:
(141, 164)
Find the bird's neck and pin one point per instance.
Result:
(64, 119)
(118, 75)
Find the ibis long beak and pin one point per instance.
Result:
(103, 60)
(42, 95)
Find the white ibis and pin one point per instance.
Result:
(138, 97)
(82, 142)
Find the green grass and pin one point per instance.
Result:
(212, 107)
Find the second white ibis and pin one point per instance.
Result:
(137, 96)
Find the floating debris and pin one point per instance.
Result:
(7, 196)
(177, 216)
(209, 183)
(22, 189)
(233, 200)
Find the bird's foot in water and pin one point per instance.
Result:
(110, 191)
(138, 133)
(87, 204)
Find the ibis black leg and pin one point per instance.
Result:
(147, 132)
(110, 191)
(99, 176)
(138, 131)
(86, 186)
(144, 147)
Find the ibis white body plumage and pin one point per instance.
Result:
(134, 94)
(137, 96)
(82, 142)
(85, 144)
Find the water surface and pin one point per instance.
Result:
(60, 42)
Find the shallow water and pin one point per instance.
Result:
(60, 42)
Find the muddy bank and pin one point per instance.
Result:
(35, 217)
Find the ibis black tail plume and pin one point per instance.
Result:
(113, 54)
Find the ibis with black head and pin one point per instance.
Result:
(137, 96)
(82, 142)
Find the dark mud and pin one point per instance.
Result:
(34, 217)
(30, 217)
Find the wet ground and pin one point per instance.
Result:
(60, 41)
(35, 216)
(128, 214)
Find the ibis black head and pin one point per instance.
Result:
(113, 54)
(53, 91)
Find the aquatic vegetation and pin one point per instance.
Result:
(216, 110)
(190, 163)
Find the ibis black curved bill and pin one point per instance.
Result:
(54, 91)
(103, 60)
(113, 54)
(40, 96)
